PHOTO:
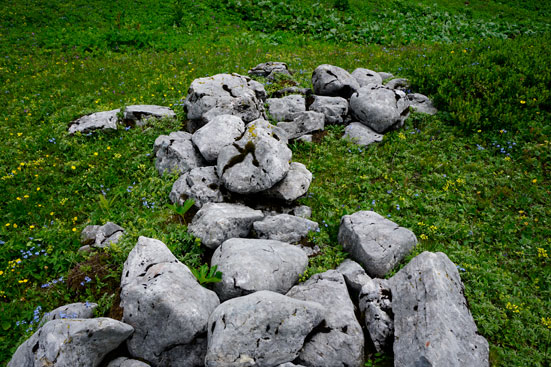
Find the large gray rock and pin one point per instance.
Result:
(385, 76)
(126, 362)
(256, 162)
(335, 109)
(250, 265)
(374, 241)
(71, 311)
(225, 94)
(329, 80)
(433, 326)
(303, 123)
(354, 276)
(262, 329)
(379, 108)
(284, 109)
(140, 114)
(341, 342)
(71, 342)
(217, 222)
(104, 120)
(200, 184)
(366, 76)
(101, 236)
(217, 133)
(284, 227)
(421, 103)
(295, 184)
(167, 307)
(398, 83)
(360, 134)
(375, 304)
(176, 153)
(270, 69)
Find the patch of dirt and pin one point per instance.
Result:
(318, 136)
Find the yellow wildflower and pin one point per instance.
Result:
(424, 236)
(73, 167)
(542, 252)
(23, 281)
(522, 101)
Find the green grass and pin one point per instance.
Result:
(488, 211)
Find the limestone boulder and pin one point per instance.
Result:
(366, 76)
(101, 236)
(139, 115)
(201, 184)
(270, 69)
(360, 134)
(375, 304)
(285, 108)
(104, 120)
(126, 362)
(295, 184)
(421, 103)
(284, 227)
(303, 123)
(176, 153)
(334, 109)
(329, 80)
(77, 310)
(398, 83)
(220, 131)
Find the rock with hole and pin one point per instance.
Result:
(176, 153)
(200, 184)
(329, 80)
(366, 76)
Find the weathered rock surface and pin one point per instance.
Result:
(374, 241)
(433, 326)
(104, 120)
(291, 90)
(126, 362)
(262, 329)
(295, 184)
(366, 76)
(217, 133)
(200, 184)
(341, 341)
(225, 94)
(329, 80)
(354, 276)
(385, 75)
(302, 211)
(101, 236)
(285, 108)
(284, 227)
(361, 134)
(140, 114)
(250, 265)
(375, 303)
(71, 311)
(167, 307)
(421, 103)
(217, 222)
(256, 162)
(334, 108)
(71, 342)
(270, 69)
(379, 108)
(398, 83)
(176, 153)
(303, 123)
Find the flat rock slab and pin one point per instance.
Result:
(433, 326)
(303, 123)
(334, 109)
(104, 120)
(126, 362)
(262, 329)
(176, 153)
(200, 184)
(421, 103)
(374, 241)
(217, 222)
(340, 342)
(250, 265)
(295, 184)
(140, 114)
(71, 342)
(285, 108)
(101, 236)
(284, 227)
(329, 80)
(77, 310)
(270, 69)
(360, 134)
(217, 133)
(366, 76)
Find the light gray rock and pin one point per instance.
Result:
(295, 184)
(398, 83)
(329, 80)
(433, 326)
(101, 236)
(375, 304)
(354, 275)
(374, 241)
(217, 133)
(88, 234)
(341, 342)
(167, 307)
(385, 76)
(285, 108)
(176, 153)
(104, 120)
(302, 211)
(126, 362)
(225, 94)
(379, 108)
(289, 364)
(421, 103)
(140, 114)
(261, 329)
(256, 162)
(269, 69)
(308, 138)
(334, 108)
(71, 311)
(360, 134)
(291, 90)
(217, 222)
(71, 342)
(200, 184)
(250, 265)
(303, 123)
(366, 76)
(284, 227)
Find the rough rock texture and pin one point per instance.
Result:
(284, 227)
(250, 265)
(126, 362)
(217, 133)
(295, 184)
(308, 138)
(140, 114)
(291, 90)
(223, 94)
(354, 275)
(421, 103)
(176, 153)
(256, 162)
(71, 311)
(200, 184)
(302, 211)
(262, 329)
(105, 120)
(270, 69)
(379, 108)
(374, 241)
(289, 364)
(341, 341)
(284, 109)
(334, 108)
(329, 80)
(361, 134)
(398, 83)
(366, 76)
(303, 123)
(385, 75)
(101, 236)
(433, 326)
(217, 222)
(71, 342)
(167, 307)
(375, 303)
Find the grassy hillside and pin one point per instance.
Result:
(472, 181)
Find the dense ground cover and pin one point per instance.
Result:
(472, 181)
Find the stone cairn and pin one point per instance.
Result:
(238, 169)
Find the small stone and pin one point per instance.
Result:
(354, 275)
(200, 184)
(421, 103)
(105, 120)
(334, 109)
(176, 153)
(303, 123)
(270, 68)
(360, 134)
(329, 80)
(295, 184)
(284, 109)
(398, 83)
(284, 227)
(140, 114)
(108, 234)
(308, 138)
(217, 133)
(88, 235)
(366, 76)
(85, 249)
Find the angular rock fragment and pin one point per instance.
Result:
(101, 236)
(334, 109)
(329, 80)
(302, 211)
(284, 227)
(217, 133)
(385, 76)
(421, 103)
(295, 184)
(176, 153)
(366, 76)
(200, 184)
(360, 134)
(303, 123)
(285, 108)
(140, 114)
(104, 120)
(354, 276)
(126, 362)
(398, 83)
(71, 311)
(270, 69)
(375, 303)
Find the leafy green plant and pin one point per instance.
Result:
(181, 210)
(205, 275)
